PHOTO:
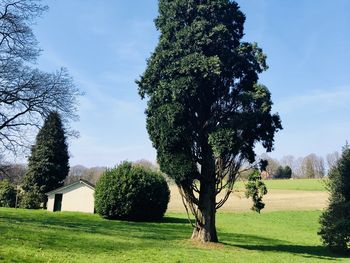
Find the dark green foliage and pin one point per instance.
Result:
(205, 106)
(131, 193)
(283, 172)
(256, 189)
(201, 73)
(335, 220)
(49, 161)
(263, 165)
(31, 199)
(7, 194)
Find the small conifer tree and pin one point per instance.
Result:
(335, 220)
(48, 163)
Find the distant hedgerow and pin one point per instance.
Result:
(131, 193)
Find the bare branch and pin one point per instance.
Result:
(27, 94)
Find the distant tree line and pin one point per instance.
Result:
(93, 174)
(310, 166)
(78, 172)
(12, 172)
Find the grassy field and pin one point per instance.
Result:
(297, 194)
(294, 184)
(40, 236)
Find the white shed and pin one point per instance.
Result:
(77, 197)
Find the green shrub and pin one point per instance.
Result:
(7, 194)
(335, 220)
(31, 199)
(131, 193)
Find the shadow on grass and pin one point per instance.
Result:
(89, 234)
(175, 220)
(317, 252)
(264, 244)
(234, 239)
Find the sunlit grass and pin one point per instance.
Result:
(292, 184)
(40, 236)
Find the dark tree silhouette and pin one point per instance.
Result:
(48, 163)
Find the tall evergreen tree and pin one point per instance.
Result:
(206, 110)
(48, 163)
(335, 220)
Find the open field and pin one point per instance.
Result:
(299, 194)
(279, 234)
(292, 184)
(40, 236)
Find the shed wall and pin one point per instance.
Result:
(50, 202)
(77, 198)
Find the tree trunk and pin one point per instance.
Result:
(205, 230)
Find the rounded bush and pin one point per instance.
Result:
(130, 192)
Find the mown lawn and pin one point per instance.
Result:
(292, 184)
(40, 236)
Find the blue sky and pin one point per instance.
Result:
(105, 44)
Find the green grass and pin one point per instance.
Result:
(40, 236)
(294, 184)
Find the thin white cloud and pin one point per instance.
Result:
(96, 94)
(112, 123)
(317, 100)
(94, 151)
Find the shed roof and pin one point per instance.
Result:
(81, 181)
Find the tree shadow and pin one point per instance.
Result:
(235, 238)
(91, 234)
(317, 252)
(88, 233)
(175, 220)
(258, 243)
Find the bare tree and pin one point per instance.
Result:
(78, 172)
(298, 168)
(313, 166)
(147, 164)
(332, 159)
(310, 166)
(26, 93)
(93, 174)
(13, 172)
(17, 41)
